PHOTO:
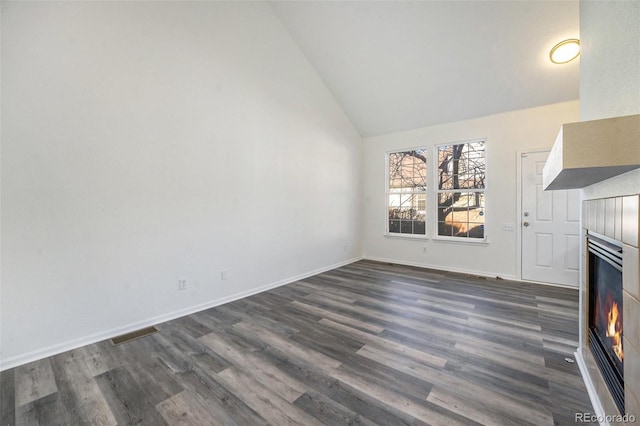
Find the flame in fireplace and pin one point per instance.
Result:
(614, 329)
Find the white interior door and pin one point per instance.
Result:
(550, 226)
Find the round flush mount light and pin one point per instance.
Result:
(565, 51)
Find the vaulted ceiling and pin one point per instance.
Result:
(400, 65)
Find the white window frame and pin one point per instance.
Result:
(437, 191)
(388, 192)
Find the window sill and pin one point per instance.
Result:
(461, 240)
(438, 239)
(406, 236)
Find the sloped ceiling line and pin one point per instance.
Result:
(400, 65)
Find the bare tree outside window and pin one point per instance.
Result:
(461, 189)
(406, 192)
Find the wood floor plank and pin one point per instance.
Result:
(188, 344)
(484, 394)
(341, 319)
(390, 346)
(395, 400)
(263, 372)
(367, 343)
(34, 381)
(328, 411)
(126, 399)
(155, 379)
(189, 326)
(316, 293)
(97, 358)
(186, 408)
(454, 333)
(49, 410)
(480, 412)
(217, 317)
(516, 384)
(504, 358)
(363, 404)
(189, 408)
(7, 397)
(223, 403)
(78, 396)
(274, 409)
(287, 346)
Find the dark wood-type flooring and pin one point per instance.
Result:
(368, 343)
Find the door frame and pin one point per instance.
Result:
(519, 154)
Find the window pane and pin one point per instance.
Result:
(408, 219)
(406, 203)
(461, 166)
(413, 206)
(422, 202)
(445, 199)
(476, 230)
(442, 213)
(406, 227)
(394, 213)
(405, 200)
(445, 230)
(461, 214)
(408, 170)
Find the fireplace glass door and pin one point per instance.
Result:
(605, 314)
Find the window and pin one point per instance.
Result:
(406, 192)
(461, 189)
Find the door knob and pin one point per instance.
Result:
(525, 223)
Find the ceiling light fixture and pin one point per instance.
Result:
(565, 51)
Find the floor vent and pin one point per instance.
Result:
(133, 335)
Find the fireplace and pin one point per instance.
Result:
(605, 312)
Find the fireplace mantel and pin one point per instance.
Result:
(588, 152)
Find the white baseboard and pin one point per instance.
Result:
(591, 390)
(441, 268)
(104, 335)
(464, 271)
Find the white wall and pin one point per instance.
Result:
(506, 135)
(610, 75)
(609, 86)
(144, 142)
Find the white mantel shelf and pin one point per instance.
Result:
(589, 152)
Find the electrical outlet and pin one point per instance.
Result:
(224, 275)
(509, 227)
(182, 284)
(424, 250)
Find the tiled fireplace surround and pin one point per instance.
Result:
(617, 218)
